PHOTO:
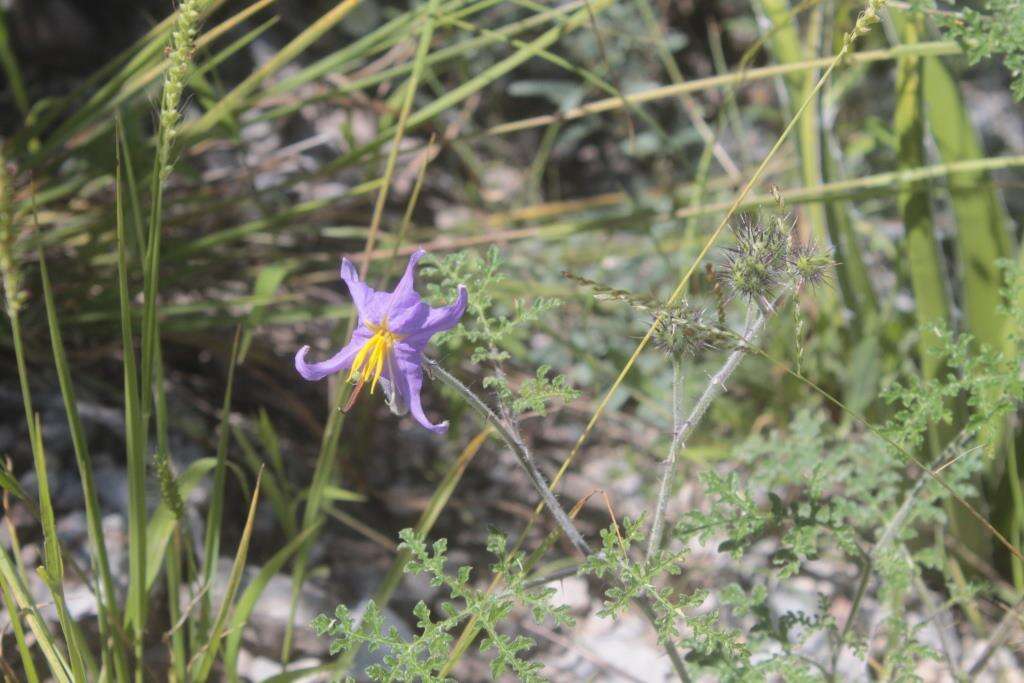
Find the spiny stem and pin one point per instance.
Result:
(668, 465)
(755, 324)
(519, 449)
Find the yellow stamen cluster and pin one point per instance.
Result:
(369, 362)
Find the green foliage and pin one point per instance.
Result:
(633, 579)
(998, 30)
(491, 324)
(423, 657)
(535, 393)
(987, 379)
(491, 327)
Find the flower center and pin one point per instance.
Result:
(369, 362)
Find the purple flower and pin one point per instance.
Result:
(386, 347)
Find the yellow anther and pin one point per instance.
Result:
(368, 364)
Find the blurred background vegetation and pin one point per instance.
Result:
(192, 237)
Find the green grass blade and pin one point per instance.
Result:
(851, 273)
(982, 235)
(51, 546)
(12, 69)
(211, 543)
(271, 444)
(268, 281)
(9, 483)
(108, 610)
(313, 512)
(920, 247)
(13, 582)
(134, 197)
(19, 360)
(282, 504)
(231, 48)
(28, 664)
(247, 601)
(337, 494)
(52, 570)
(135, 444)
(982, 240)
(73, 638)
(209, 655)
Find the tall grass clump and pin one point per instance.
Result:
(704, 365)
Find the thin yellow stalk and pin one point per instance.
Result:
(933, 49)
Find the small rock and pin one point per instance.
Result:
(572, 592)
(72, 529)
(257, 668)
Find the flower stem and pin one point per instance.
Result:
(753, 328)
(519, 449)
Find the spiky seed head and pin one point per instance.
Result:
(756, 265)
(810, 264)
(684, 331)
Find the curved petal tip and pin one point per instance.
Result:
(461, 301)
(348, 271)
(309, 371)
(441, 428)
(416, 409)
(414, 258)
